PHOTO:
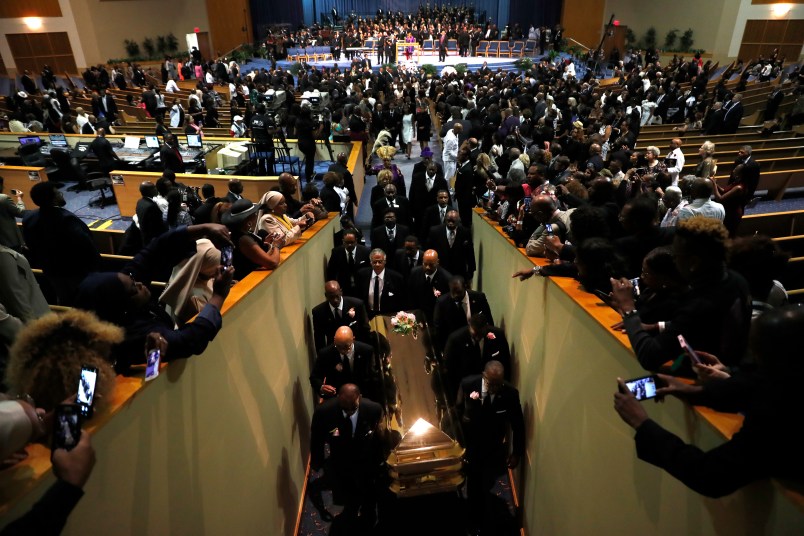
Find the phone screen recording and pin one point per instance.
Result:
(643, 388)
(86, 390)
(66, 426)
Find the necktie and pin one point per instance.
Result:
(337, 314)
(451, 238)
(443, 212)
(429, 280)
(376, 293)
(487, 400)
(347, 369)
(391, 235)
(411, 262)
(348, 432)
(351, 259)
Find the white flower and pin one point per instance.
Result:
(474, 395)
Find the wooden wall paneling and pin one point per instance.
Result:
(227, 18)
(19, 45)
(795, 32)
(12, 9)
(40, 44)
(3, 69)
(34, 51)
(581, 20)
(790, 52)
(753, 31)
(774, 31)
(60, 43)
(749, 51)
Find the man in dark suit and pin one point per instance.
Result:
(203, 214)
(338, 311)
(423, 193)
(345, 261)
(488, 407)
(380, 288)
(344, 361)
(235, 191)
(733, 115)
(469, 349)
(149, 216)
(465, 191)
(453, 310)
(454, 245)
(442, 47)
(435, 215)
(103, 150)
(774, 100)
(105, 106)
(426, 283)
(389, 237)
(350, 425)
(399, 203)
(407, 257)
(419, 168)
(348, 181)
(170, 155)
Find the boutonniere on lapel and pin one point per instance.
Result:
(351, 312)
(474, 395)
(491, 336)
(339, 367)
(335, 432)
(436, 292)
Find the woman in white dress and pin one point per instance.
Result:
(408, 127)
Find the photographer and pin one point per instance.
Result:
(263, 129)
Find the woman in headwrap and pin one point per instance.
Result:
(190, 285)
(123, 298)
(272, 218)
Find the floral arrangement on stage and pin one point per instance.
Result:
(405, 323)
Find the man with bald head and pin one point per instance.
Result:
(427, 283)
(344, 361)
(337, 311)
(453, 242)
(103, 150)
(488, 406)
(552, 222)
(701, 204)
(351, 425)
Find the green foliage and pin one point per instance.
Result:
(650, 38)
(630, 37)
(524, 63)
(552, 55)
(161, 44)
(172, 42)
(132, 48)
(148, 46)
(670, 39)
(429, 69)
(460, 68)
(686, 40)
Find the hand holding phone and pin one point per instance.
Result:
(86, 390)
(66, 426)
(643, 388)
(226, 256)
(688, 350)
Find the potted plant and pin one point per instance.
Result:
(132, 48)
(650, 38)
(670, 39)
(686, 40)
(161, 44)
(172, 43)
(148, 46)
(524, 63)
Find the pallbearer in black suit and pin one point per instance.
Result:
(488, 407)
(454, 244)
(351, 426)
(380, 288)
(338, 311)
(426, 283)
(470, 348)
(407, 257)
(345, 361)
(453, 310)
(346, 260)
(424, 188)
(400, 204)
(391, 236)
(435, 215)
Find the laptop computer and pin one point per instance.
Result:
(194, 141)
(28, 140)
(58, 140)
(152, 142)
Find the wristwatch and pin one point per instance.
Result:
(537, 269)
(630, 313)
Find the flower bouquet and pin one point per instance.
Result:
(405, 323)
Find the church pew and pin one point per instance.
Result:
(774, 225)
(792, 245)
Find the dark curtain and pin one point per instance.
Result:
(268, 12)
(536, 12)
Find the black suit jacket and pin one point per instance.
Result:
(392, 297)
(328, 366)
(732, 118)
(361, 453)
(449, 317)
(458, 259)
(325, 324)
(338, 267)
(171, 159)
(401, 264)
(463, 357)
(420, 198)
(485, 426)
(421, 294)
(111, 106)
(379, 238)
(402, 211)
(420, 168)
(431, 217)
(150, 219)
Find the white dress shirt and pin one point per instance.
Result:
(381, 277)
(702, 207)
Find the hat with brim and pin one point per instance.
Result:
(427, 152)
(239, 212)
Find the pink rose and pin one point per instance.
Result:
(436, 292)
(474, 395)
(491, 336)
(351, 312)
(335, 432)
(339, 367)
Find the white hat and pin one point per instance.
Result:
(237, 118)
